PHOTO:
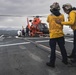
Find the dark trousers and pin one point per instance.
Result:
(61, 43)
(74, 45)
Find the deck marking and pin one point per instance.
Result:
(43, 41)
(14, 44)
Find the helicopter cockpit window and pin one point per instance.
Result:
(41, 26)
(45, 25)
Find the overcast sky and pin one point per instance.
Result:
(25, 8)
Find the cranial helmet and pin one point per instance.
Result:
(55, 5)
(67, 6)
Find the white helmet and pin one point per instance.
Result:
(67, 6)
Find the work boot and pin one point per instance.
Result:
(50, 64)
(73, 60)
(70, 56)
(65, 62)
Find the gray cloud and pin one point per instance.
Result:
(25, 7)
(22, 6)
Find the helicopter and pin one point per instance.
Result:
(37, 28)
(43, 29)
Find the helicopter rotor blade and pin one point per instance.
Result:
(37, 16)
(10, 15)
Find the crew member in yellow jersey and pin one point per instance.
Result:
(56, 35)
(71, 11)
